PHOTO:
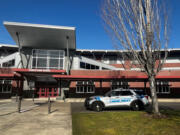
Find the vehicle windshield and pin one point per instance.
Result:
(107, 94)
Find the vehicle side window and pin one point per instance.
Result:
(126, 93)
(115, 93)
(140, 92)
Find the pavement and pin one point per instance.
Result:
(73, 100)
(170, 105)
(34, 119)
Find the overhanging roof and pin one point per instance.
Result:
(42, 36)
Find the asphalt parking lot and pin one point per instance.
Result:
(170, 105)
(78, 107)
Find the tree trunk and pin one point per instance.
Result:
(155, 106)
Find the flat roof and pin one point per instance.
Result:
(8, 45)
(41, 36)
(115, 51)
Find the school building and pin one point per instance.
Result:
(45, 62)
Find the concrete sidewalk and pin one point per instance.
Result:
(37, 121)
(72, 100)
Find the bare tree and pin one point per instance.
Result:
(141, 28)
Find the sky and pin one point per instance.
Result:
(82, 14)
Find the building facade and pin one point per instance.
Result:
(45, 62)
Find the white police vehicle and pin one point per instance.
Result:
(135, 99)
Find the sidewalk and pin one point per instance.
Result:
(72, 100)
(37, 121)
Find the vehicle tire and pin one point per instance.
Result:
(97, 106)
(136, 106)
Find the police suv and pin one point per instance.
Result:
(135, 99)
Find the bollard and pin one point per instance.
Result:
(16, 98)
(19, 104)
(49, 105)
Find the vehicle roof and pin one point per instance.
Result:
(120, 89)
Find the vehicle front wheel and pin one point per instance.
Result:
(135, 106)
(97, 106)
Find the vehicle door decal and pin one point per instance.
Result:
(126, 100)
(97, 98)
(114, 100)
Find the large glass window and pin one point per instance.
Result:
(5, 86)
(88, 66)
(119, 84)
(162, 87)
(48, 59)
(10, 63)
(85, 87)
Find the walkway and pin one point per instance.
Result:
(35, 120)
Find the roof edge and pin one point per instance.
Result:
(38, 25)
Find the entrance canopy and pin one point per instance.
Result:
(42, 36)
(40, 75)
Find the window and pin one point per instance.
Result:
(140, 92)
(115, 93)
(104, 68)
(85, 87)
(112, 59)
(105, 60)
(88, 66)
(5, 86)
(55, 89)
(48, 59)
(162, 87)
(125, 93)
(119, 84)
(10, 63)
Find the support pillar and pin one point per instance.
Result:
(49, 104)
(68, 59)
(100, 84)
(19, 96)
(59, 90)
(145, 87)
(19, 104)
(17, 90)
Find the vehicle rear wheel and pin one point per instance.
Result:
(97, 106)
(135, 106)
